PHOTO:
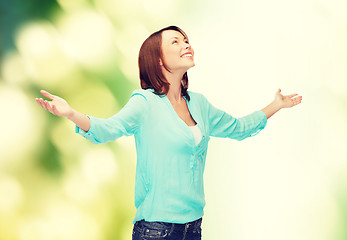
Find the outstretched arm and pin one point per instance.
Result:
(59, 107)
(280, 102)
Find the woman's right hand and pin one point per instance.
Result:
(58, 106)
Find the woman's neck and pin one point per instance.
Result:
(175, 89)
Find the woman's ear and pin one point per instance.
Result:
(160, 62)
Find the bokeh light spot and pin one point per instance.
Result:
(99, 165)
(88, 39)
(11, 194)
(20, 126)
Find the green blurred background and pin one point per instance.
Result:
(289, 182)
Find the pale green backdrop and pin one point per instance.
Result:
(289, 182)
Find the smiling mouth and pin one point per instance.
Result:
(187, 55)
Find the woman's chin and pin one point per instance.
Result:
(191, 66)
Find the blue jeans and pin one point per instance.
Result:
(144, 230)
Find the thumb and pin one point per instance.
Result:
(47, 94)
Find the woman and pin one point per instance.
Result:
(172, 127)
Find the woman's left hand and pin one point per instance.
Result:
(287, 101)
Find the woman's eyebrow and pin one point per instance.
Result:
(178, 38)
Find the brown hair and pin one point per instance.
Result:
(151, 75)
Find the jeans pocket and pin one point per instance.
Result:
(153, 233)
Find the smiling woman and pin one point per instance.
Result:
(172, 127)
(177, 52)
(161, 52)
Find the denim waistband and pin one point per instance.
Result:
(166, 225)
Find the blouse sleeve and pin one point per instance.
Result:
(224, 125)
(125, 123)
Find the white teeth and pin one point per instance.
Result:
(188, 55)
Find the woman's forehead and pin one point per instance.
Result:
(169, 34)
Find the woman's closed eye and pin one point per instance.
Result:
(176, 41)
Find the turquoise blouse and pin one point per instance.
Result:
(169, 183)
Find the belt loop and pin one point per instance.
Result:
(186, 226)
(172, 228)
(141, 226)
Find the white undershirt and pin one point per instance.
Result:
(197, 133)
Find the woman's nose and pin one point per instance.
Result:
(188, 46)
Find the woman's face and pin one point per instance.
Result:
(178, 55)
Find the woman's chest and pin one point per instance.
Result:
(183, 113)
(169, 126)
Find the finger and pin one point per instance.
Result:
(299, 98)
(47, 94)
(292, 95)
(45, 105)
(296, 101)
(49, 107)
(40, 101)
(54, 110)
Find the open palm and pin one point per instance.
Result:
(58, 106)
(288, 100)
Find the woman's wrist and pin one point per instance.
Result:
(71, 115)
(271, 109)
(80, 119)
(277, 105)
